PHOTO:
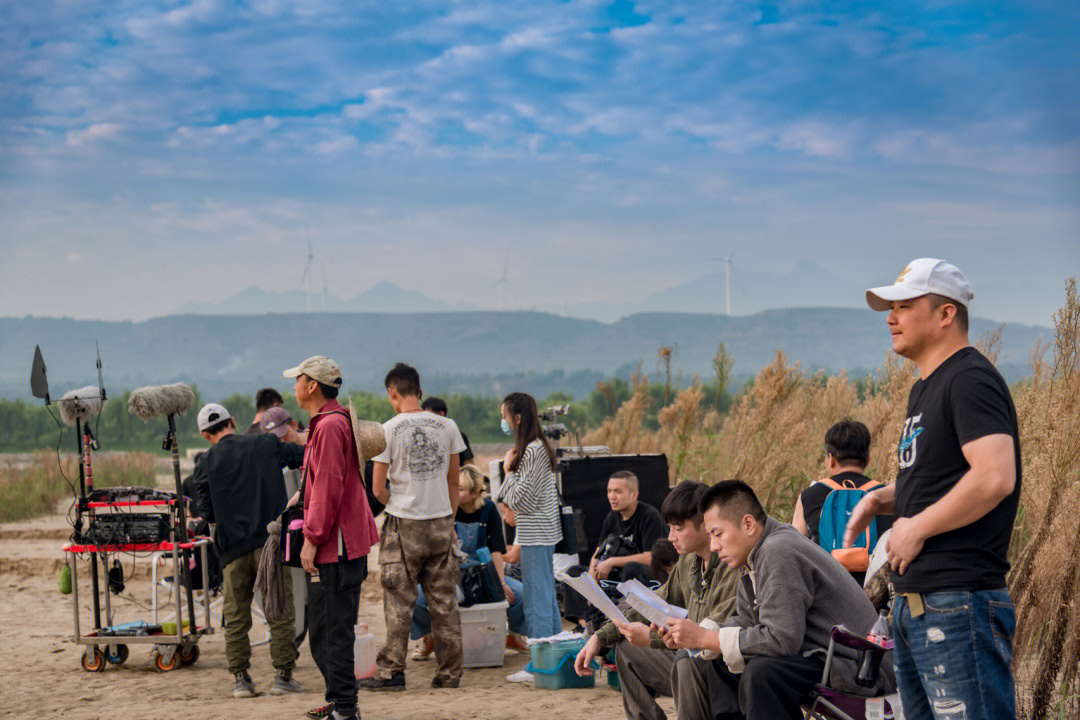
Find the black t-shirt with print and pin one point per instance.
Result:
(964, 399)
(638, 533)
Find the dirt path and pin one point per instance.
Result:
(42, 676)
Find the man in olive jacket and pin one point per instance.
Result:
(702, 584)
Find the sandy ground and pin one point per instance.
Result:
(43, 677)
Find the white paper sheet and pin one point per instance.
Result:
(648, 603)
(589, 590)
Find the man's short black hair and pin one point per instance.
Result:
(404, 379)
(734, 499)
(683, 503)
(436, 405)
(329, 392)
(848, 441)
(937, 301)
(267, 398)
(219, 426)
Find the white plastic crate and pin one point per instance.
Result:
(483, 634)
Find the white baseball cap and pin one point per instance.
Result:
(211, 414)
(923, 277)
(319, 368)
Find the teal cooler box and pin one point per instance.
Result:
(552, 666)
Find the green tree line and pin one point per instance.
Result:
(27, 425)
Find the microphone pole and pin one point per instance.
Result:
(84, 464)
(181, 518)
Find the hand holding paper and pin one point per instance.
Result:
(589, 590)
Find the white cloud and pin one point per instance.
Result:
(92, 133)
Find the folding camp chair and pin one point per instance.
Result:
(826, 703)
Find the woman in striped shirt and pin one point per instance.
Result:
(529, 490)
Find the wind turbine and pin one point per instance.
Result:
(306, 279)
(726, 259)
(325, 289)
(502, 280)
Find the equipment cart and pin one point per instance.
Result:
(107, 645)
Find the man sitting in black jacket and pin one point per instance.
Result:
(239, 488)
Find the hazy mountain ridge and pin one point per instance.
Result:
(466, 351)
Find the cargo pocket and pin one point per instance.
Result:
(391, 557)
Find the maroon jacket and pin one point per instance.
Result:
(334, 496)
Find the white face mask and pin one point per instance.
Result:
(505, 425)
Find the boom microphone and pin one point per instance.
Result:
(81, 404)
(146, 403)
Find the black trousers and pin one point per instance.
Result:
(333, 602)
(770, 688)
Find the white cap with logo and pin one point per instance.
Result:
(923, 277)
(319, 368)
(211, 414)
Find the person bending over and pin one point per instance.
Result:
(702, 584)
(239, 488)
(791, 594)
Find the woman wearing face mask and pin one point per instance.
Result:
(529, 490)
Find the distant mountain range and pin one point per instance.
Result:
(485, 352)
(383, 297)
(806, 284)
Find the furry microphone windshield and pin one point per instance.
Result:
(151, 402)
(81, 404)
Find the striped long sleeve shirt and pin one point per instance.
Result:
(530, 493)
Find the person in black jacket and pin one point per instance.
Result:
(239, 489)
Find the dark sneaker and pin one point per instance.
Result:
(321, 713)
(438, 682)
(339, 716)
(395, 683)
(244, 687)
(284, 684)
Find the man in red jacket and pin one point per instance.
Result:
(338, 532)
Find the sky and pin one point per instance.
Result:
(154, 154)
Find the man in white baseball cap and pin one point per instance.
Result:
(954, 499)
(210, 415)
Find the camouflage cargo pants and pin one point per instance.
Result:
(415, 552)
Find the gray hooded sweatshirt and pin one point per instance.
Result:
(789, 598)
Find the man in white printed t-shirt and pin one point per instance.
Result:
(421, 461)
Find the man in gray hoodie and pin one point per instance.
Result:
(791, 593)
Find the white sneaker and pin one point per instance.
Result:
(521, 676)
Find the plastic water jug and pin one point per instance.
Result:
(364, 652)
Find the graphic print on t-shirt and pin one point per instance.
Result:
(905, 451)
(424, 452)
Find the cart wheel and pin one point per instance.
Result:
(97, 664)
(188, 654)
(120, 656)
(166, 666)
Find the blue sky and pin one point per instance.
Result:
(153, 154)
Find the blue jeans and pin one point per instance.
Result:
(538, 579)
(953, 661)
(515, 614)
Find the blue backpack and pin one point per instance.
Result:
(836, 511)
